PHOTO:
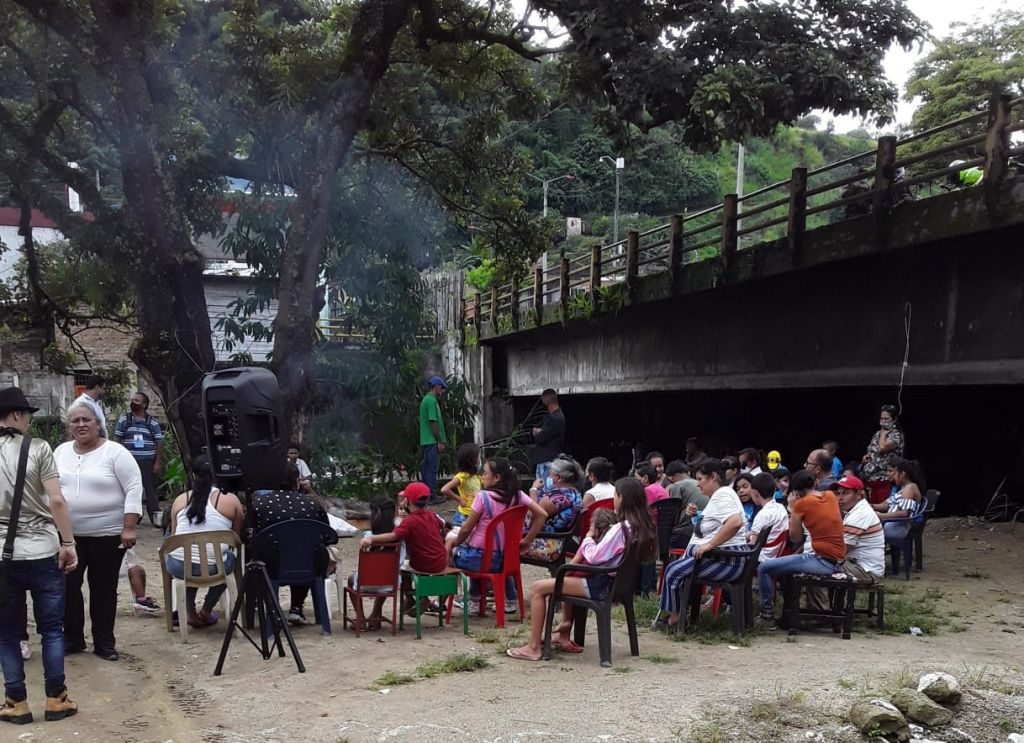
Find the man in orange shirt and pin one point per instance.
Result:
(814, 519)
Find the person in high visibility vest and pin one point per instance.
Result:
(965, 178)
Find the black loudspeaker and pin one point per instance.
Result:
(242, 411)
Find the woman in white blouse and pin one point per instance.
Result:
(102, 486)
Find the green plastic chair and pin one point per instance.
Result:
(440, 585)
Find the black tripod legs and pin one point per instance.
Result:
(257, 588)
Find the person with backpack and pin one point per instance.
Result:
(140, 434)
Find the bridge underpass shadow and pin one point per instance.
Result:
(966, 437)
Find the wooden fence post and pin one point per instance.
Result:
(730, 217)
(997, 142)
(675, 248)
(595, 268)
(494, 306)
(885, 160)
(632, 260)
(797, 224)
(563, 286)
(538, 294)
(462, 322)
(514, 308)
(476, 312)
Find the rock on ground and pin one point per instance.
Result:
(879, 717)
(940, 687)
(917, 706)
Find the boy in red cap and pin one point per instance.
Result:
(421, 532)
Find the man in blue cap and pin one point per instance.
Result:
(432, 436)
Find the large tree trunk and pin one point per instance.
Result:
(372, 35)
(175, 347)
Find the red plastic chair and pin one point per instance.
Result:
(510, 521)
(377, 577)
(583, 522)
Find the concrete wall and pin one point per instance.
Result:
(834, 324)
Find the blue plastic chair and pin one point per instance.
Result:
(900, 551)
(294, 545)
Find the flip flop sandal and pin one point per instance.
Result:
(517, 653)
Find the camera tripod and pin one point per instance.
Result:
(257, 589)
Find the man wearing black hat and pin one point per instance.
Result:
(43, 550)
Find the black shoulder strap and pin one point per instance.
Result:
(19, 491)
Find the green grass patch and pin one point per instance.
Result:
(985, 679)
(911, 609)
(645, 610)
(974, 573)
(458, 663)
(488, 636)
(706, 730)
(712, 630)
(393, 678)
(623, 669)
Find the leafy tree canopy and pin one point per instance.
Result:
(966, 68)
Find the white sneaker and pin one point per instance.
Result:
(26, 651)
(512, 607)
(474, 605)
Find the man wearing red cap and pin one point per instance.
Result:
(862, 532)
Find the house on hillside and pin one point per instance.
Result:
(22, 349)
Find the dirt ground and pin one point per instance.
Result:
(770, 688)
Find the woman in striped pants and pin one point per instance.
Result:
(720, 526)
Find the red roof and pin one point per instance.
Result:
(11, 217)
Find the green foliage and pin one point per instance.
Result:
(975, 61)
(174, 478)
(365, 435)
(50, 428)
(457, 663)
(503, 323)
(581, 307)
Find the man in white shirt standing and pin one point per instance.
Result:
(95, 387)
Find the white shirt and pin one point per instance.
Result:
(865, 538)
(100, 487)
(304, 472)
(214, 520)
(723, 504)
(601, 491)
(773, 514)
(101, 417)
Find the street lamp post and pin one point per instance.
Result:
(620, 164)
(547, 182)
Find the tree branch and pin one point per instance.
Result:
(433, 30)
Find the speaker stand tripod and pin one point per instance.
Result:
(257, 588)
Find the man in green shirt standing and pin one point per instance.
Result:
(432, 436)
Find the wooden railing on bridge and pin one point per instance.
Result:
(780, 209)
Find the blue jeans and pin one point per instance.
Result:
(470, 558)
(428, 468)
(896, 531)
(45, 581)
(782, 567)
(176, 568)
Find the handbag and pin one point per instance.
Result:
(7, 557)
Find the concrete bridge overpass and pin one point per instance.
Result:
(798, 337)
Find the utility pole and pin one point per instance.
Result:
(620, 165)
(547, 182)
(740, 167)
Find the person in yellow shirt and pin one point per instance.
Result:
(466, 484)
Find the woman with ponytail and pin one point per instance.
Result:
(500, 491)
(896, 514)
(203, 508)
